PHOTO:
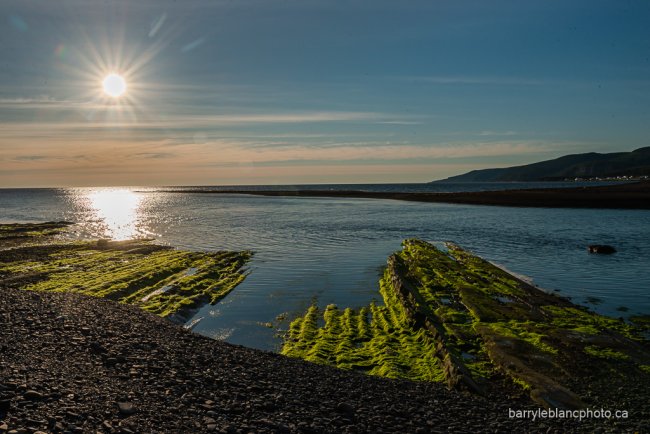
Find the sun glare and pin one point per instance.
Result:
(118, 211)
(114, 85)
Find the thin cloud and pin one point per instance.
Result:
(157, 24)
(154, 155)
(476, 80)
(30, 157)
(497, 133)
(398, 123)
(181, 122)
(26, 101)
(192, 45)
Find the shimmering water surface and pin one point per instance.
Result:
(332, 250)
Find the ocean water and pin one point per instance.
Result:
(331, 250)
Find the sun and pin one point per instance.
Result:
(114, 85)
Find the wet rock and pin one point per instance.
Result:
(97, 348)
(344, 407)
(601, 249)
(5, 404)
(32, 395)
(126, 408)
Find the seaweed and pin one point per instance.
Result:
(454, 317)
(156, 278)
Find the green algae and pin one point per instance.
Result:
(529, 332)
(28, 231)
(156, 278)
(605, 353)
(452, 316)
(373, 339)
(586, 322)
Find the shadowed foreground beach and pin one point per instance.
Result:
(624, 196)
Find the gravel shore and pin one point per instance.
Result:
(73, 363)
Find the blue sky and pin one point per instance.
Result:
(281, 92)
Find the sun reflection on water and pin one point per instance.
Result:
(118, 210)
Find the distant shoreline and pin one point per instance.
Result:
(622, 196)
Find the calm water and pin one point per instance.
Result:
(332, 250)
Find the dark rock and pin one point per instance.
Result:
(97, 348)
(344, 407)
(5, 404)
(32, 395)
(601, 248)
(126, 408)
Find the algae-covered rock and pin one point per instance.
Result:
(157, 278)
(452, 316)
(13, 234)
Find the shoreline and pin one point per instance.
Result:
(70, 361)
(450, 316)
(622, 196)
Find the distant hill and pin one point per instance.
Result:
(589, 165)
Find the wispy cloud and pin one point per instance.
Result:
(297, 117)
(30, 157)
(249, 151)
(476, 80)
(192, 45)
(117, 123)
(497, 133)
(20, 101)
(398, 123)
(364, 151)
(154, 155)
(244, 161)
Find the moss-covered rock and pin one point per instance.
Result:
(452, 316)
(157, 278)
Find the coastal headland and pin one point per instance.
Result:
(85, 348)
(623, 196)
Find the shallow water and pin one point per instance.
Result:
(328, 250)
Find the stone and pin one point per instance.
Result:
(344, 407)
(97, 348)
(5, 404)
(601, 248)
(126, 408)
(33, 395)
